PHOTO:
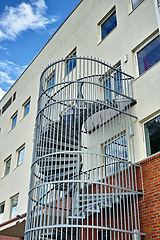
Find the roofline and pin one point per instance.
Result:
(42, 49)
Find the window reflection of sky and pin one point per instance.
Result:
(116, 151)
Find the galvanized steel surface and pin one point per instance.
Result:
(83, 174)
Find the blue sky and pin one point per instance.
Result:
(25, 27)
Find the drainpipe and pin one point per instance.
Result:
(157, 11)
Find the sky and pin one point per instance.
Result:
(25, 27)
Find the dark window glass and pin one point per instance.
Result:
(135, 3)
(8, 103)
(108, 25)
(71, 63)
(152, 135)
(104, 234)
(149, 55)
(26, 108)
(14, 96)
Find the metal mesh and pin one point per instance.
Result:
(83, 174)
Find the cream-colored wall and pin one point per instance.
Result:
(81, 31)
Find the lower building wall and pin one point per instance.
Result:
(148, 181)
(148, 178)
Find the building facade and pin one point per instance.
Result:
(125, 34)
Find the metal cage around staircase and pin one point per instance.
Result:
(83, 174)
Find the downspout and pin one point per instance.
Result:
(157, 11)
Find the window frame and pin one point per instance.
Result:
(28, 101)
(2, 214)
(104, 20)
(141, 46)
(144, 135)
(108, 78)
(18, 155)
(5, 165)
(73, 54)
(108, 171)
(12, 120)
(132, 4)
(11, 206)
(48, 79)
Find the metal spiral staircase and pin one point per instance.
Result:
(78, 190)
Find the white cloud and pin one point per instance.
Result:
(25, 16)
(2, 93)
(9, 72)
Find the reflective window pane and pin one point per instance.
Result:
(70, 64)
(26, 108)
(108, 25)
(149, 55)
(20, 156)
(50, 83)
(14, 121)
(14, 205)
(152, 135)
(1, 212)
(135, 3)
(116, 155)
(7, 166)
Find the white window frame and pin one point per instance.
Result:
(131, 5)
(109, 75)
(139, 48)
(110, 141)
(11, 205)
(143, 130)
(47, 80)
(102, 21)
(2, 214)
(5, 164)
(12, 118)
(24, 106)
(71, 54)
(18, 155)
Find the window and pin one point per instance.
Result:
(2, 205)
(116, 155)
(20, 156)
(7, 166)
(152, 135)
(104, 234)
(26, 108)
(14, 96)
(50, 82)
(13, 120)
(108, 25)
(70, 63)
(113, 80)
(14, 205)
(149, 55)
(8, 103)
(135, 3)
